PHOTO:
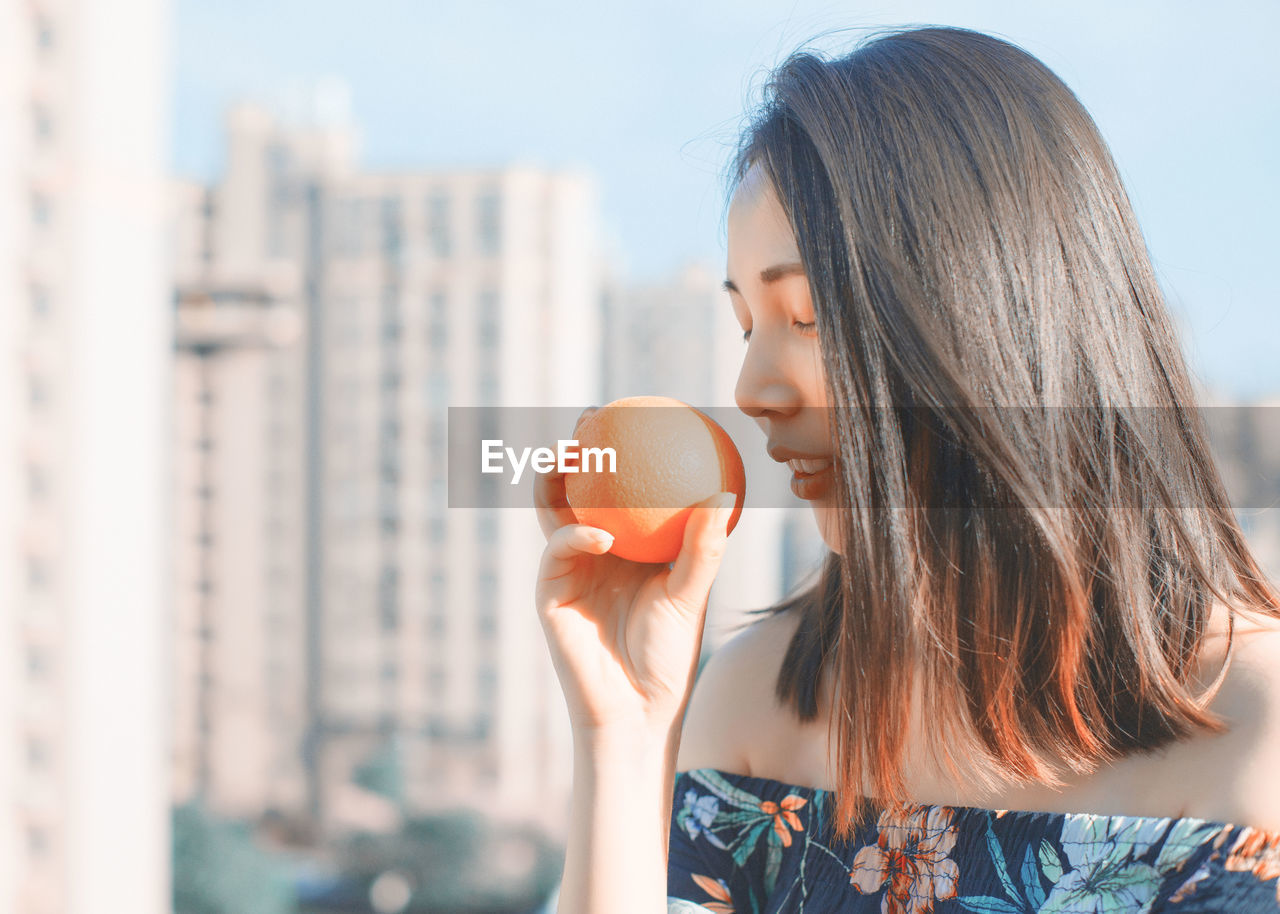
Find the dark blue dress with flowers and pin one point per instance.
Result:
(754, 845)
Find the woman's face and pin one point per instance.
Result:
(781, 384)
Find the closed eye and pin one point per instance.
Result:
(746, 336)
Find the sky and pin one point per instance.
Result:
(648, 99)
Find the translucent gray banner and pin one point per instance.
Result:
(1123, 454)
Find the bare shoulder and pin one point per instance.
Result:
(732, 696)
(1244, 788)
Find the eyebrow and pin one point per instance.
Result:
(770, 275)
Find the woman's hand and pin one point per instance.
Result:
(625, 637)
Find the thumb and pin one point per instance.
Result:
(704, 544)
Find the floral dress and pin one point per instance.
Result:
(748, 845)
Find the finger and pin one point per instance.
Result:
(566, 545)
(704, 543)
(550, 503)
(549, 499)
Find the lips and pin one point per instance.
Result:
(785, 454)
(813, 486)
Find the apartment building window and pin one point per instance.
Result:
(389, 314)
(44, 34)
(437, 531)
(437, 728)
(489, 330)
(389, 674)
(41, 209)
(279, 159)
(487, 684)
(489, 223)
(37, 753)
(438, 323)
(481, 726)
(41, 306)
(391, 218)
(437, 389)
(487, 624)
(37, 390)
(37, 573)
(436, 680)
(37, 661)
(488, 387)
(367, 225)
(350, 226)
(37, 841)
(437, 626)
(388, 478)
(389, 521)
(488, 580)
(41, 123)
(488, 425)
(438, 223)
(488, 531)
(277, 245)
(37, 482)
(389, 460)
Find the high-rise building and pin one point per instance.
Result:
(239, 645)
(84, 435)
(336, 578)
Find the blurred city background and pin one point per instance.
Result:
(250, 255)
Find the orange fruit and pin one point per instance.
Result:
(669, 457)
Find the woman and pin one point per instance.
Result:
(1039, 669)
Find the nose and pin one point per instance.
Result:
(764, 387)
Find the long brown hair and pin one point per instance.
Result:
(970, 248)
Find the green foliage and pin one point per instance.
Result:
(383, 773)
(448, 859)
(218, 869)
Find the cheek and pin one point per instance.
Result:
(817, 372)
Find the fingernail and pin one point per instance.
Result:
(603, 537)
